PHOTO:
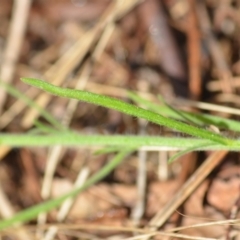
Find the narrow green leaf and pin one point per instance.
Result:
(127, 108)
(196, 118)
(15, 93)
(185, 151)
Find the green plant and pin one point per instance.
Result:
(205, 139)
(127, 108)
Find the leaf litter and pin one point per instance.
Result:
(155, 48)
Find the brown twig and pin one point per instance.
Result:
(194, 52)
(192, 183)
(14, 44)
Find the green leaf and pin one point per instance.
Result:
(14, 92)
(127, 108)
(196, 118)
